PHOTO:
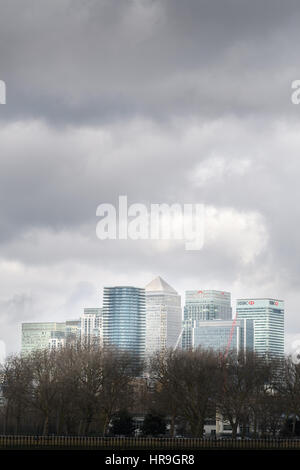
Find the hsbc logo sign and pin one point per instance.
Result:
(246, 302)
(257, 303)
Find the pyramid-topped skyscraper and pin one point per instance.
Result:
(163, 316)
(158, 284)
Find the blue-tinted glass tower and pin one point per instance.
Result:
(124, 319)
(220, 335)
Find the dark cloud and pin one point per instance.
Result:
(93, 61)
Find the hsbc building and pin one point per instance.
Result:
(268, 323)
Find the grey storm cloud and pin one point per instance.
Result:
(93, 61)
(162, 101)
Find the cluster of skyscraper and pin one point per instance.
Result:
(146, 320)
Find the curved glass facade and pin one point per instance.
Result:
(124, 318)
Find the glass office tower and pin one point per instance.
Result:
(163, 316)
(207, 305)
(41, 335)
(219, 335)
(124, 318)
(268, 320)
(204, 305)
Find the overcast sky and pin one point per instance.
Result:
(165, 101)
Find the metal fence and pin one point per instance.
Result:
(125, 443)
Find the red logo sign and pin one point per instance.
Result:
(276, 303)
(251, 302)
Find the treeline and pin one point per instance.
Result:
(85, 389)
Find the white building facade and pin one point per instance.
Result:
(163, 316)
(91, 326)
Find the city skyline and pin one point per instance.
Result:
(148, 319)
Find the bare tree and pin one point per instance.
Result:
(17, 380)
(186, 382)
(246, 378)
(271, 413)
(68, 398)
(44, 385)
(79, 388)
(289, 388)
(163, 388)
(101, 379)
(118, 384)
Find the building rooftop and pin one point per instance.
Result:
(159, 285)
